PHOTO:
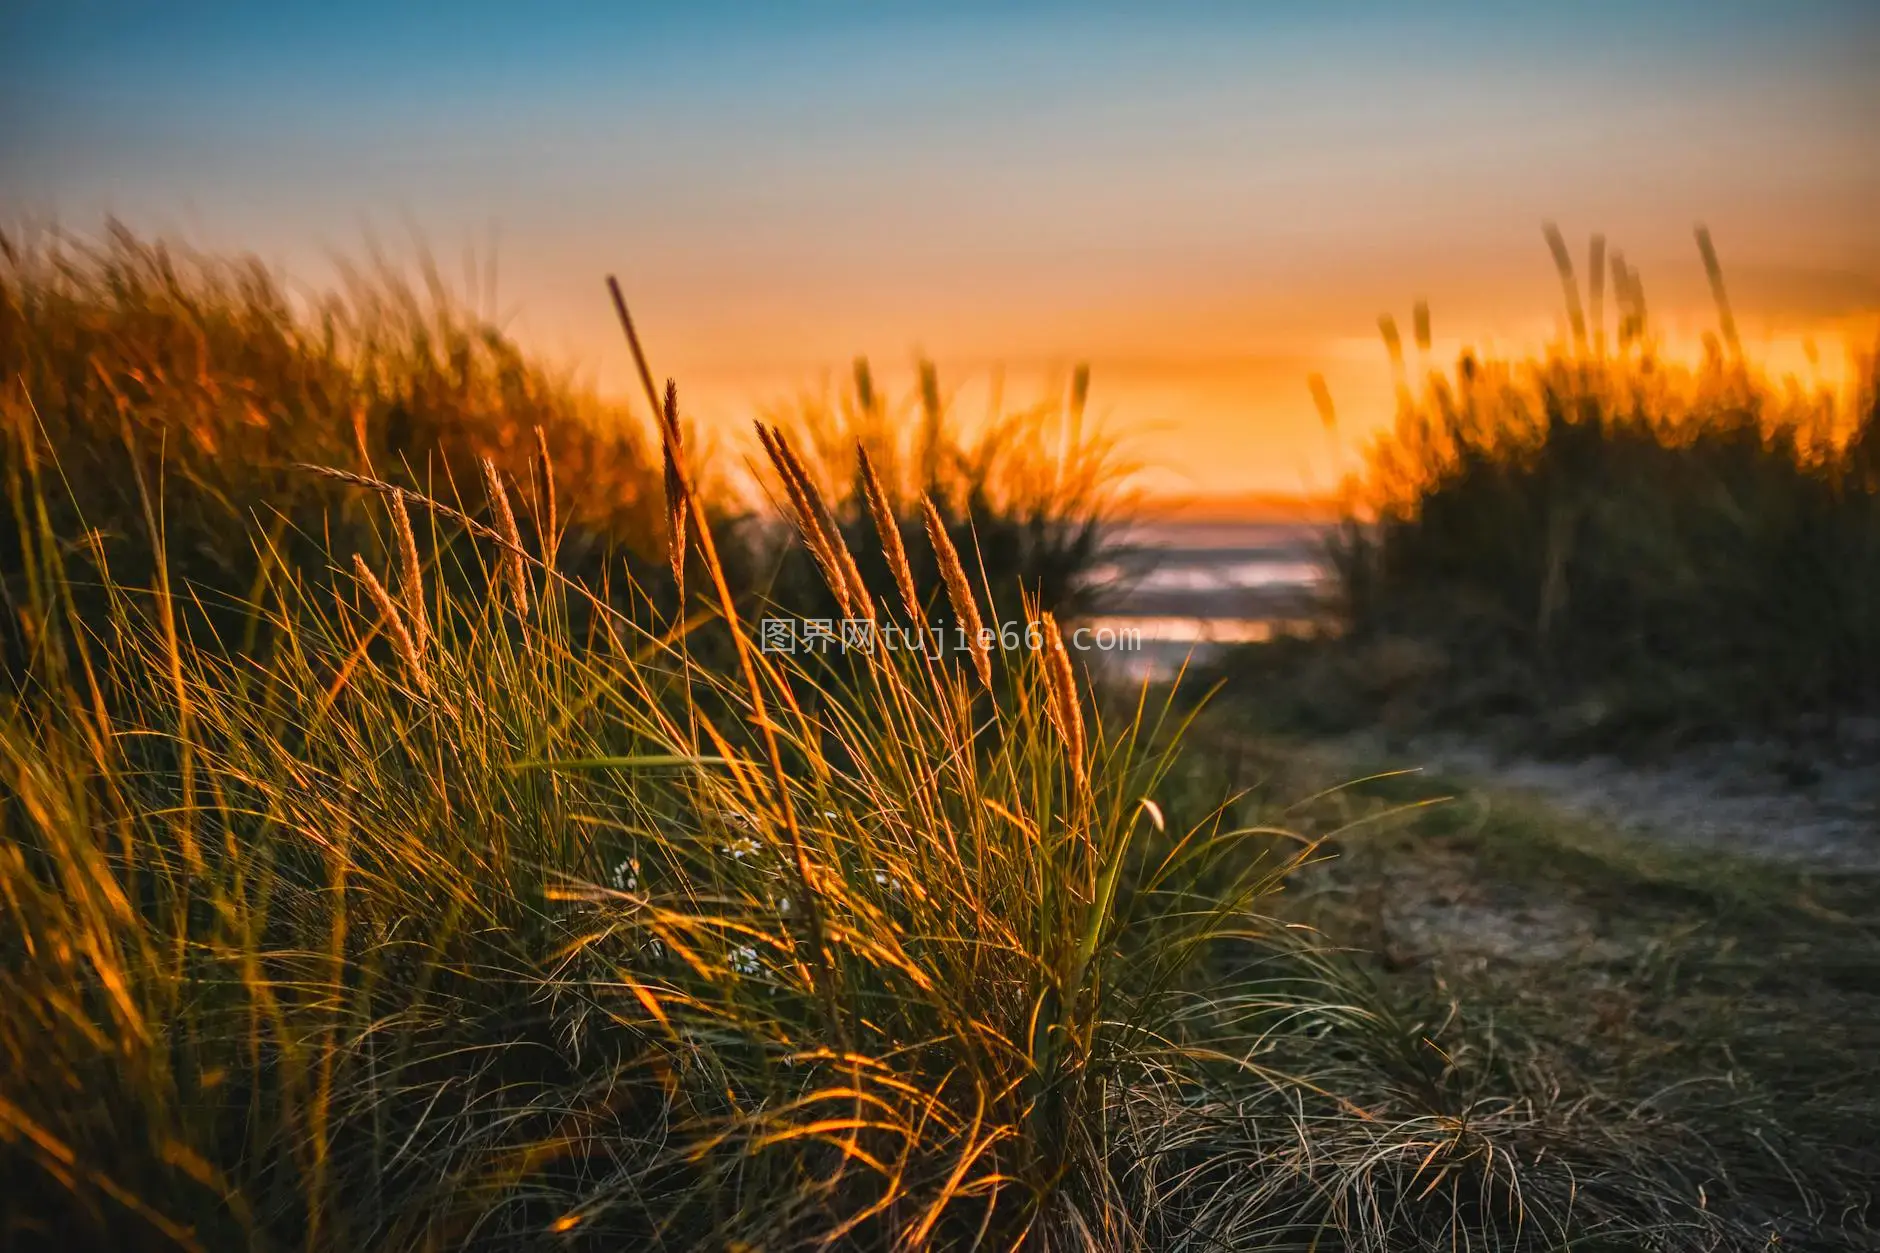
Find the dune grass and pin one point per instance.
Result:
(423, 923)
(185, 388)
(1729, 996)
(185, 393)
(1036, 492)
(380, 868)
(1607, 544)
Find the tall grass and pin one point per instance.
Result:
(423, 922)
(186, 392)
(1034, 492)
(385, 866)
(184, 389)
(1657, 546)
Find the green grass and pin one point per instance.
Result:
(479, 935)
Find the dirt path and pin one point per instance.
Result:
(1747, 800)
(1698, 939)
(1533, 863)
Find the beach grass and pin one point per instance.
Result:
(1616, 545)
(430, 894)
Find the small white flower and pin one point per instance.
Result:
(783, 905)
(744, 960)
(625, 876)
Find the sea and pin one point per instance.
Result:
(1179, 592)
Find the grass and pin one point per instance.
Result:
(186, 393)
(498, 941)
(425, 897)
(1600, 551)
(1034, 492)
(186, 388)
(1605, 546)
(1727, 997)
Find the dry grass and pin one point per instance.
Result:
(1032, 493)
(588, 942)
(1718, 1003)
(1660, 549)
(551, 931)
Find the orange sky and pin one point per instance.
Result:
(1212, 396)
(1207, 202)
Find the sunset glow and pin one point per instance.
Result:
(1207, 205)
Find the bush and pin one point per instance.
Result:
(1651, 545)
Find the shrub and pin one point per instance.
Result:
(1665, 546)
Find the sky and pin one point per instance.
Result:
(1206, 202)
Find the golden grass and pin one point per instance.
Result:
(607, 943)
(1687, 548)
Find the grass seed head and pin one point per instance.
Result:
(672, 449)
(818, 526)
(410, 573)
(551, 533)
(1061, 703)
(889, 529)
(514, 573)
(959, 592)
(395, 627)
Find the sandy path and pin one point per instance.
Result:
(1742, 799)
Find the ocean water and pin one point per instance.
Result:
(1182, 591)
(1227, 575)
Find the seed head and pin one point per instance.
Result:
(1061, 703)
(818, 526)
(672, 449)
(959, 592)
(395, 628)
(552, 535)
(889, 528)
(410, 573)
(514, 573)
